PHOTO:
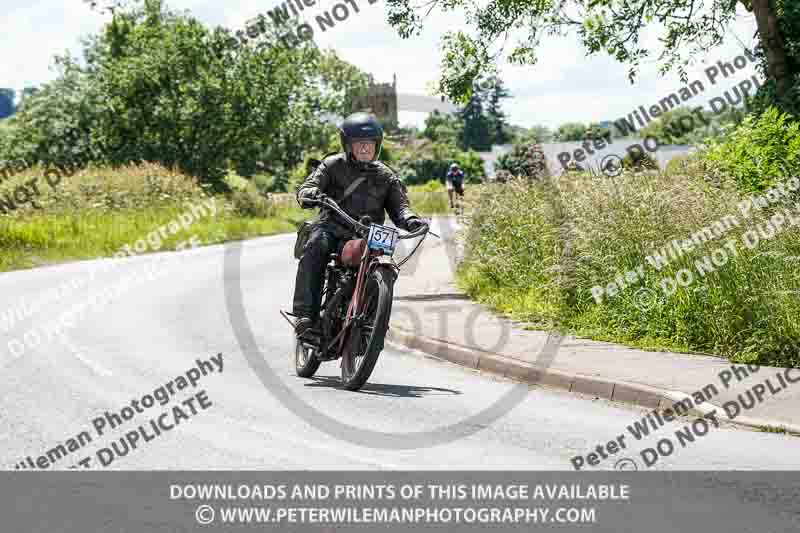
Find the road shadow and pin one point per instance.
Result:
(381, 389)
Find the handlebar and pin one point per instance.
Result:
(357, 226)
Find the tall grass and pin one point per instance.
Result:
(536, 251)
(429, 203)
(44, 239)
(97, 211)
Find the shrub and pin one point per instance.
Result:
(524, 160)
(419, 171)
(759, 152)
(422, 161)
(639, 161)
(251, 204)
(246, 199)
(472, 165)
(503, 176)
(299, 173)
(266, 183)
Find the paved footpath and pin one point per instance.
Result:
(431, 315)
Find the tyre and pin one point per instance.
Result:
(305, 359)
(365, 342)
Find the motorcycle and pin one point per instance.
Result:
(356, 302)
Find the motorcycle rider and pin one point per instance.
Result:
(361, 185)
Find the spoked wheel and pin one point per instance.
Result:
(365, 342)
(305, 359)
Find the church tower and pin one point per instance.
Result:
(381, 100)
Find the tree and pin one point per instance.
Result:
(525, 160)
(476, 134)
(596, 131)
(540, 134)
(53, 126)
(535, 135)
(6, 102)
(684, 27)
(677, 126)
(159, 86)
(479, 124)
(684, 125)
(443, 127)
(493, 92)
(327, 83)
(571, 131)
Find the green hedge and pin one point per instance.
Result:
(759, 152)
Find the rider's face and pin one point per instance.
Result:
(364, 150)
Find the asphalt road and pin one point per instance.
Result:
(155, 330)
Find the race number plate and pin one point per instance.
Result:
(382, 238)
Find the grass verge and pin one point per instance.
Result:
(536, 252)
(47, 239)
(96, 212)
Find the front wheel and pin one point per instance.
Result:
(365, 342)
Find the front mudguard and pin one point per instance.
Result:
(386, 261)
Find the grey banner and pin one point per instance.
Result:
(652, 502)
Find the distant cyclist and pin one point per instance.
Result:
(454, 181)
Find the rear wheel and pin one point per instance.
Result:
(305, 359)
(365, 342)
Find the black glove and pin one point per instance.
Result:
(414, 223)
(313, 198)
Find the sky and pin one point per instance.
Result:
(565, 86)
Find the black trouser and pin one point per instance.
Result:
(311, 272)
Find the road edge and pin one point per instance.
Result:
(612, 390)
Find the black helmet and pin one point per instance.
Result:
(360, 126)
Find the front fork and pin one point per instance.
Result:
(355, 308)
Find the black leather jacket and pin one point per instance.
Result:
(381, 192)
